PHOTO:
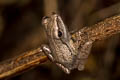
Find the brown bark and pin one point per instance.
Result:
(20, 63)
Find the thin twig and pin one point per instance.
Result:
(30, 59)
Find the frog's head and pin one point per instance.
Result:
(55, 27)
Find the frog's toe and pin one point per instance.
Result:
(80, 67)
(66, 70)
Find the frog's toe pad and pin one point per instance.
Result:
(66, 70)
(80, 67)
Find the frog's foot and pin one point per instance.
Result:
(66, 70)
(81, 67)
(79, 64)
(47, 52)
(83, 54)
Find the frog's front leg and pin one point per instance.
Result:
(47, 52)
(83, 54)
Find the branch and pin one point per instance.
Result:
(104, 29)
(19, 64)
(30, 59)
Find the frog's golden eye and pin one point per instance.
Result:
(60, 34)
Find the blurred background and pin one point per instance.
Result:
(21, 30)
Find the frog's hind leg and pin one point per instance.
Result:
(81, 65)
(84, 51)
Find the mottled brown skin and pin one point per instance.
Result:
(61, 49)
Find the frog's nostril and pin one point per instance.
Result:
(45, 20)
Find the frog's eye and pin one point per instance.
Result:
(60, 34)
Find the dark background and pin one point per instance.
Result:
(21, 30)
